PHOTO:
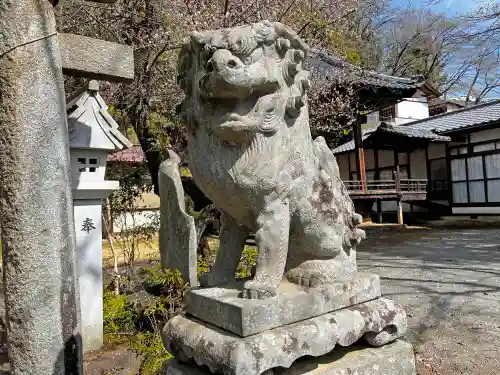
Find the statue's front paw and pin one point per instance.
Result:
(306, 277)
(256, 290)
(211, 279)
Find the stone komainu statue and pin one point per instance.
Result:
(251, 152)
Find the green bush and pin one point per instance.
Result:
(118, 314)
(141, 326)
(150, 346)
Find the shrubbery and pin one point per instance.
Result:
(136, 318)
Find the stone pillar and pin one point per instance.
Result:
(88, 225)
(178, 240)
(88, 198)
(41, 291)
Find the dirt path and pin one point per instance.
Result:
(449, 284)
(117, 361)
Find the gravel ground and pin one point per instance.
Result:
(449, 283)
(447, 280)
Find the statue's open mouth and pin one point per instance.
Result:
(227, 77)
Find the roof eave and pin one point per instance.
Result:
(429, 90)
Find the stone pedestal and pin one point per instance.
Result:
(393, 359)
(192, 341)
(223, 308)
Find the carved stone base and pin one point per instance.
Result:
(377, 322)
(222, 307)
(392, 359)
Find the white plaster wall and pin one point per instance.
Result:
(385, 158)
(476, 210)
(135, 219)
(437, 150)
(418, 164)
(343, 163)
(450, 107)
(411, 109)
(485, 135)
(373, 118)
(89, 267)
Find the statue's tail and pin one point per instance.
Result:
(328, 164)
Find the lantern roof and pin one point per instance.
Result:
(90, 125)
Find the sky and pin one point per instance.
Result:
(450, 7)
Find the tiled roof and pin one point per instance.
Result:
(350, 145)
(399, 130)
(322, 65)
(411, 132)
(437, 127)
(87, 113)
(481, 114)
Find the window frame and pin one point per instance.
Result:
(88, 164)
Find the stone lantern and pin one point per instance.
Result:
(93, 134)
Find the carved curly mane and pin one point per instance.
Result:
(199, 47)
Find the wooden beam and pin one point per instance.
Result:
(96, 59)
(359, 150)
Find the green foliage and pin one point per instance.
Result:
(353, 56)
(203, 265)
(123, 318)
(118, 314)
(170, 289)
(185, 172)
(121, 208)
(248, 260)
(150, 346)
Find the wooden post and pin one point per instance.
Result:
(379, 211)
(399, 194)
(398, 180)
(400, 211)
(36, 207)
(359, 150)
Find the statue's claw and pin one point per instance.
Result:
(210, 279)
(255, 290)
(306, 277)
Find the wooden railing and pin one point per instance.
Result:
(389, 186)
(413, 185)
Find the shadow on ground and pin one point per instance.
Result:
(449, 283)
